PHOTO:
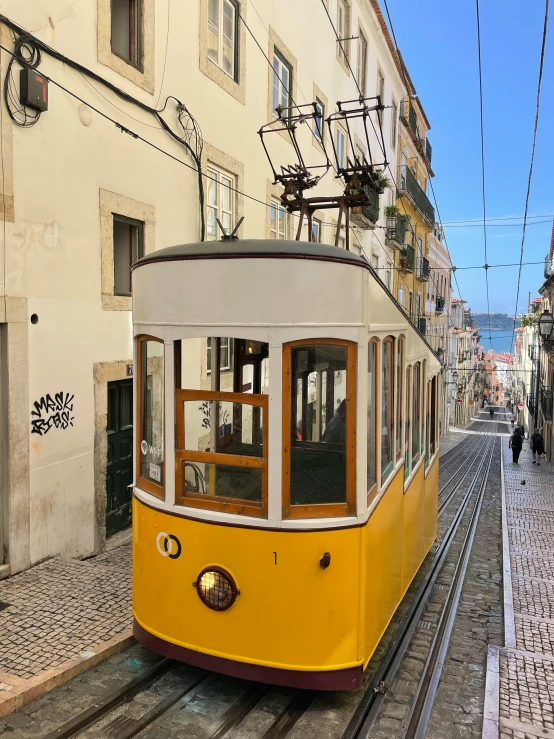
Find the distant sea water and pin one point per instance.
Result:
(501, 340)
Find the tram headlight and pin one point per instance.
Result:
(216, 588)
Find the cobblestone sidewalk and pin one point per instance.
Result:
(60, 618)
(520, 677)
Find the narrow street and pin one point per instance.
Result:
(429, 674)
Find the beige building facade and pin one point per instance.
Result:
(101, 178)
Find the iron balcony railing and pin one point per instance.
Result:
(428, 150)
(367, 215)
(408, 114)
(395, 233)
(546, 404)
(407, 259)
(531, 404)
(422, 268)
(439, 305)
(407, 183)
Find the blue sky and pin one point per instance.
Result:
(438, 41)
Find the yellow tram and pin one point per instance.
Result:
(286, 482)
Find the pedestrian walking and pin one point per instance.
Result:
(491, 411)
(515, 444)
(513, 420)
(537, 446)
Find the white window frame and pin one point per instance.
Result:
(361, 69)
(342, 160)
(319, 124)
(224, 345)
(342, 29)
(280, 91)
(218, 30)
(225, 215)
(274, 231)
(393, 123)
(319, 224)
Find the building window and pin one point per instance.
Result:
(410, 303)
(371, 418)
(150, 411)
(341, 147)
(342, 238)
(282, 81)
(401, 296)
(319, 121)
(220, 200)
(316, 230)
(407, 425)
(361, 71)
(375, 260)
(222, 35)
(381, 92)
(387, 409)
(126, 31)
(128, 247)
(343, 29)
(225, 354)
(417, 308)
(393, 123)
(277, 220)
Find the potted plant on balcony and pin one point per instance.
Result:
(392, 211)
(403, 259)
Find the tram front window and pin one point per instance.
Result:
(318, 424)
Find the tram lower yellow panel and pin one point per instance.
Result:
(384, 535)
(289, 615)
(414, 509)
(431, 508)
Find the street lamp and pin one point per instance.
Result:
(546, 329)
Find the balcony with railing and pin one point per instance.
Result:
(408, 185)
(531, 404)
(367, 215)
(423, 270)
(407, 259)
(408, 115)
(395, 234)
(439, 305)
(546, 404)
(548, 266)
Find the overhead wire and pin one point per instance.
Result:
(530, 177)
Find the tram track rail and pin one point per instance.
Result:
(107, 718)
(368, 709)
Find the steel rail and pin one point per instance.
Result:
(472, 446)
(420, 714)
(367, 710)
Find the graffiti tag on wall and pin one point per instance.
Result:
(52, 412)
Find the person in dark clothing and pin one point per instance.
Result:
(491, 411)
(516, 443)
(521, 431)
(537, 446)
(336, 428)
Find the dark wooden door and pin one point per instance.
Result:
(119, 473)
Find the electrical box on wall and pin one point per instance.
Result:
(33, 89)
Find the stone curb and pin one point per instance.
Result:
(19, 691)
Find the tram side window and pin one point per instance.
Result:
(399, 397)
(407, 425)
(221, 433)
(387, 443)
(433, 419)
(151, 416)
(319, 413)
(371, 419)
(416, 414)
(428, 425)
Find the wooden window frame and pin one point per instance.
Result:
(220, 502)
(141, 482)
(220, 172)
(372, 492)
(408, 374)
(321, 510)
(391, 340)
(399, 422)
(417, 421)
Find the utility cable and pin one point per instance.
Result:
(482, 129)
(535, 129)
